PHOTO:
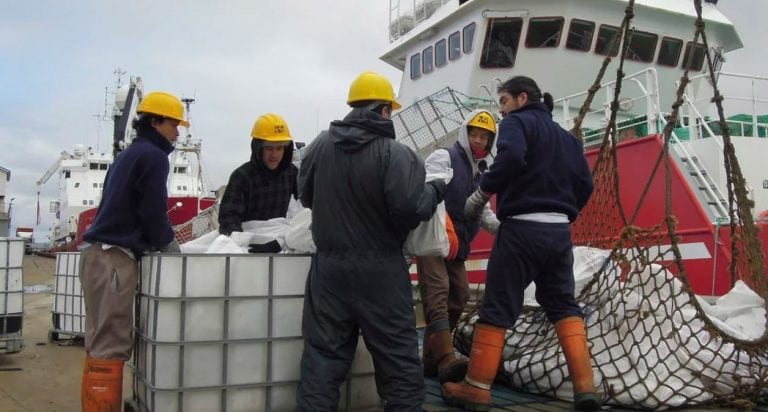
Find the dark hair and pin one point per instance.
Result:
(520, 84)
(143, 122)
(372, 105)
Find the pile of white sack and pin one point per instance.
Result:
(291, 232)
(648, 340)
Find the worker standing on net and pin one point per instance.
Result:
(542, 181)
(262, 188)
(443, 281)
(366, 192)
(132, 220)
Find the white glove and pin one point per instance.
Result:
(493, 226)
(172, 247)
(475, 204)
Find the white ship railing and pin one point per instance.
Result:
(641, 89)
(407, 14)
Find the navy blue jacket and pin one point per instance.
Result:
(539, 167)
(133, 212)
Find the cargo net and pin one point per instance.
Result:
(653, 345)
(206, 221)
(429, 123)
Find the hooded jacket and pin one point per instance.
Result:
(466, 178)
(365, 189)
(255, 192)
(133, 212)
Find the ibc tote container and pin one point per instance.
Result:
(223, 333)
(68, 314)
(11, 294)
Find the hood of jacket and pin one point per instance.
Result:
(463, 141)
(359, 127)
(258, 161)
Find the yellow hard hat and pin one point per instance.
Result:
(272, 128)
(163, 104)
(372, 86)
(484, 120)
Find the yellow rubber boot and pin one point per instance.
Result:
(102, 387)
(474, 394)
(573, 339)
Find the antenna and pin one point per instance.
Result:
(187, 103)
(101, 117)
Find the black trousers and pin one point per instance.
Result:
(526, 252)
(351, 294)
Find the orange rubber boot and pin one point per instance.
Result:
(573, 340)
(474, 394)
(102, 387)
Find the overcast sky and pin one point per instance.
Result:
(238, 58)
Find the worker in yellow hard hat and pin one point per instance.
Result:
(131, 220)
(443, 279)
(366, 192)
(261, 189)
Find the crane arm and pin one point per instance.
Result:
(51, 170)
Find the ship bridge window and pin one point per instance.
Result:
(77, 184)
(415, 66)
(606, 36)
(580, 35)
(67, 174)
(544, 32)
(428, 59)
(454, 46)
(94, 166)
(103, 166)
(642, 46)
(697, 56)
(469, 37)
(501, 43)
(441, 58)
(669, 52)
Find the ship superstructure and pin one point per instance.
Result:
(455, 53)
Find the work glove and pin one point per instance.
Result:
(492, 227)
(475, 204)
(439, 186)
(270, 247)
(172, 247)
(453, 239)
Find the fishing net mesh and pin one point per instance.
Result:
(652, 344)
(206, 221)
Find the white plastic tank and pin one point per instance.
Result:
(11, 293)
(68, 313)
(223, 332)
